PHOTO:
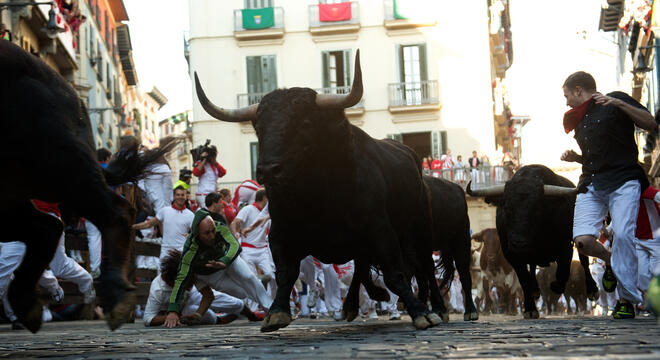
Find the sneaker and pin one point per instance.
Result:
(89, 295)
(15, 325)
(395, 315)
(256, 316)
(336, 315)
(311, 300)
(372, 315)
(609, 279)
(58, 297)
(95, 274)
(624, 310)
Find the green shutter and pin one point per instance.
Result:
(347, 67)
(268, 73)
(397, 10)
(443, 136)
(396, 137)
(436, 144)
(258, 18)
(423, 71)
(325, 59)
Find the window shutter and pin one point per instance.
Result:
(438, 143)
(422, 62)
(254, 158)
(402, 72)
(253, 72)
(325, 58)
(269, 74)
(396, 137)
(347, 67)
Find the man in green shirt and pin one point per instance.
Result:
(210, 259)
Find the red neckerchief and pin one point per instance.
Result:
(573, 117)
(176, 208)
(257, 206)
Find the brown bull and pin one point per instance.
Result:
(575, 288)
(498, 272)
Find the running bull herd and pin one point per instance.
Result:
(370, 198)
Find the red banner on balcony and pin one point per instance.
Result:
(335, 12)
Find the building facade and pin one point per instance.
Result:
(178, 125)
(426, 72)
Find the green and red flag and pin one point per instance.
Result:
(335, 12)
(258, 18)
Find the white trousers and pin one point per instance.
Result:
(95, 245)
(623, 204)
(329, 282)
(648, 260)
(65, 268)
(11, 256)
(222, 303)
(159, 190)
(237, 280)
(264, 260)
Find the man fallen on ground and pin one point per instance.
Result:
(194, 311)
(210, 259)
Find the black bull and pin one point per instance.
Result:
(48, 153)
(535, 227)
(336, 193)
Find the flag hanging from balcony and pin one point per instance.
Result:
(335, 12)
(258, 18)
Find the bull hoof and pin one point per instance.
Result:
(444, 316)
(32, 320)
(275, 321)
(348, 315)
(531, 314)
(421, 323)
(471, 316)
(121, 313)
(27, 308)
(434, 319)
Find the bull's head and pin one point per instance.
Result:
(291, 124)
(521, 202)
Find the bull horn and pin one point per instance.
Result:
(344, 101)
(494, 190)
(247, 113)
(554, 190)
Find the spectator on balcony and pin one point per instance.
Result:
(208, 170)
(474, 167)
(5, 34)
(425, 166)
(459, 170)
(447, 165)
(436, 167)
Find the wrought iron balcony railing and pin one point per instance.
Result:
(314, 20)
(413, 93)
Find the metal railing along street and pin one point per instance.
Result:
(481, 176)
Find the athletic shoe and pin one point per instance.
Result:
(256, 316)
(372, 315)
(95, 274)
(311, 300)
(58, 297)
(336, 315)
(89, 295)
(624, 310)
(15, 325)
(226, 319)
(609, 279)
(395, 315)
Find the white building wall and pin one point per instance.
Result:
(457, 53)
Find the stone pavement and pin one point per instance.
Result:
(490, 337)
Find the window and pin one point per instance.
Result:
(412, 71)
(258, 4)
(254, 158)
(336, 68)
(106, 33)
(261, 76)
(438, 143)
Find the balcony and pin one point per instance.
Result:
(353, 111)
(259, 31)
(482, 176)
(243, 100)
(338, 22)
(413, 96)
(396, 24)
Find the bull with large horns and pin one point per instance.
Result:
(535, 227)
(335, 193)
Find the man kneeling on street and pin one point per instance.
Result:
(210, 257)
(197, 308)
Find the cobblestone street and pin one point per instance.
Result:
(490, 337)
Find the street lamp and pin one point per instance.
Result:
(51, 29)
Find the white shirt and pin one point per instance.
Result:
(176, 223)
(249, 215)
(208, 180)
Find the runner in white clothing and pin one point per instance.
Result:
(251, 227)
(176, 220)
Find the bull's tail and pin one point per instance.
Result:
(129, 165)
(447, 267)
